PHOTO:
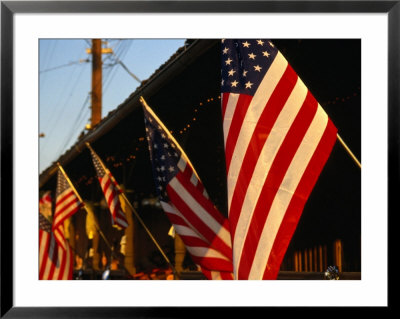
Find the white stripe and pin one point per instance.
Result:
(67, 263)
(60, 257)
(113, 204)
(184, 230)
(181, 164)
(171, 209)
(229, 111)
(215, 226)
(194, 180)
(216, 275)
(68, 194)
(43, 243)
(120, 221)
(61, 202)
(49, 259)
(264, 162)
(205, 252)
(106, 190)
(255, 109)
(60, 217)
(60, 238)
(286, 191)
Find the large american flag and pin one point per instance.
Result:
(111, 191)
(55, 261)
(203, 229)
(277, 140)
(67, 204)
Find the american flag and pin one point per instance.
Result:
(55, 262)
(111, 191)
(203, 229)
(277, 141)
(67, 204)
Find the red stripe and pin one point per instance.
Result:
(213, 263)
(116, 211)
(194, 241)
(44, 240)
(206, 273)
(63, 197)
(62, 262)
(260, 134)
(195, 221)
(274, 179)
(201, 199)
(226, 275)
(53, 257)
(71, 264)
(225, 97)
(236, 124)
(296, 206)
(58, 220)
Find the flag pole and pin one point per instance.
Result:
(86, 208)
(349, 151)
(138, 217)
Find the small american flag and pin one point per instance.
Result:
(277, 140)
(55, 262)
(111, 191)
(203, 229)
(67, 204)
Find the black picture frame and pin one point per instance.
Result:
(9, 8)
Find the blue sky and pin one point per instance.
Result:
(65, 85)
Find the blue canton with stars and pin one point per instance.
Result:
(44, 224)
(244, 64)
(62, 183)
(164, 155)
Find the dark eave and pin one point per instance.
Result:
(176, 64)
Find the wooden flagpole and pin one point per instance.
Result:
(138, 217)
(349, 151)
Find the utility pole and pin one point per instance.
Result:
(96, 82)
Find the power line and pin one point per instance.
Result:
(65, 65)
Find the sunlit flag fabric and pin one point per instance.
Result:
(203, 229)
(111, 191)
(67, 204)
(55, 262)
(277, 141)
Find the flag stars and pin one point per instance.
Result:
(246, 44)
(265, 53)
(171, 169)
(228, 62)
(234, 83)
(271, 44)
(260, 42)
(225, 51)
(252, 56)
(231, 72)
(245, 73)
(248, 85)
(257, 68)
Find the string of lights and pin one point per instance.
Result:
(140, 145)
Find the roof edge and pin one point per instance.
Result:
(147, 90)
